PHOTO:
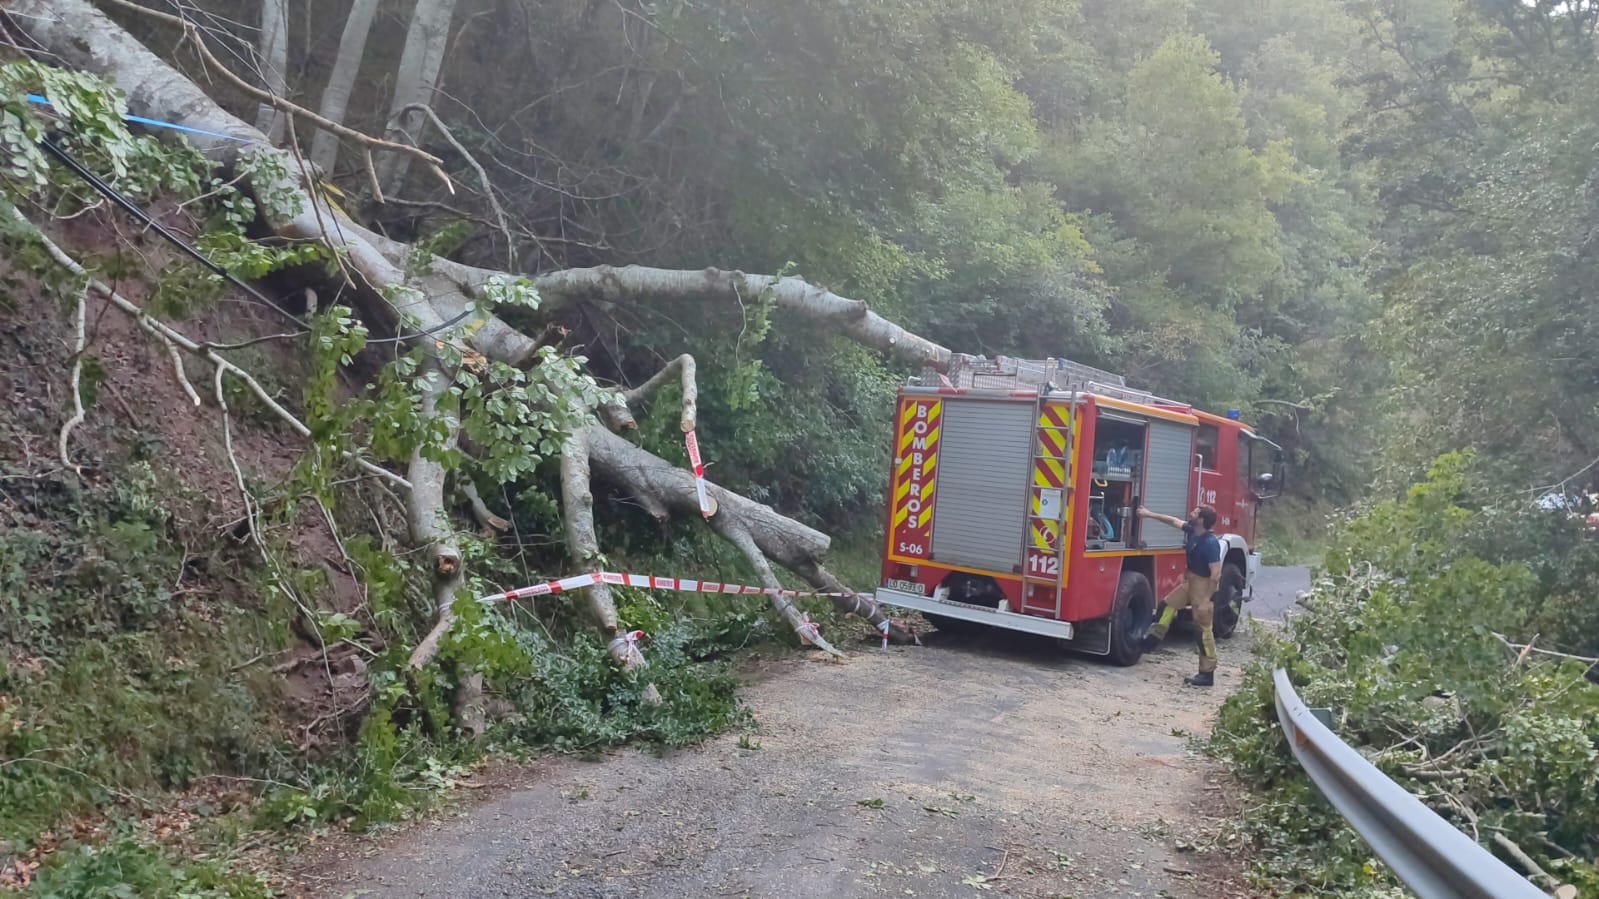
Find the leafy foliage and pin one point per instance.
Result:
(125, 868)
(1404, 636)
(1479, 145)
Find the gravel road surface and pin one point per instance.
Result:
(991, 765)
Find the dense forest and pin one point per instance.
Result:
(1372, 226)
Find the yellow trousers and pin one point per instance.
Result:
(1195, 593)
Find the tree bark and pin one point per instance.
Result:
(336, 96)
(583, 546)
(272, 50)
(618, 416)
(426, 515)
(635, 283)
(425, 42)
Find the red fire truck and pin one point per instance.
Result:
(1013, 492)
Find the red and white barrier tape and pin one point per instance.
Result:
(807, 630)
(693, 444)
(649, 582)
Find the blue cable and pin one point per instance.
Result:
(157, 123)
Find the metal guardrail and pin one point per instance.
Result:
(1433, 858)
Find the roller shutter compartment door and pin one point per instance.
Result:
(979, 503)
(1168, 464)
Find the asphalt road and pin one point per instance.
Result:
(1276, 588)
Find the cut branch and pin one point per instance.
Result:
(739, 536)
(660, 485)
(481, 512)
(583, 546)
(618, 416)
(429, 524)
(1533, 869)
(82, 344)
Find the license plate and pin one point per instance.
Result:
(905, 586)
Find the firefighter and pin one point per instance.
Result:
(1200, 582)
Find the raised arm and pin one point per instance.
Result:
(1172, 520)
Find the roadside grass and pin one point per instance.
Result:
(1294, 531)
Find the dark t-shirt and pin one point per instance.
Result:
(1203, 550)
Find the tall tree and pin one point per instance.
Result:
(347, 65)
(272, 51)
(426, 40)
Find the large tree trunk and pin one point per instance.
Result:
(852, 318)
(420, 61)
(336, 96)
(272, 50)
(79, 35)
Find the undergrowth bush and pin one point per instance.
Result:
(1412, 634)
(125, 867)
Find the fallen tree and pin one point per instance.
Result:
(446, 309)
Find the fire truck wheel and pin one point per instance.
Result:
(1229, 602)
(1130, 616)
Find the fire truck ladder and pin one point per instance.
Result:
(1057, 523)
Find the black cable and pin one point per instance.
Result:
(115, 196)
(133, 208)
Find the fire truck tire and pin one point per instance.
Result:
(1229, 602)
(1130, 616)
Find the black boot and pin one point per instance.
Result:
(1202, 679)
(1151, 642)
